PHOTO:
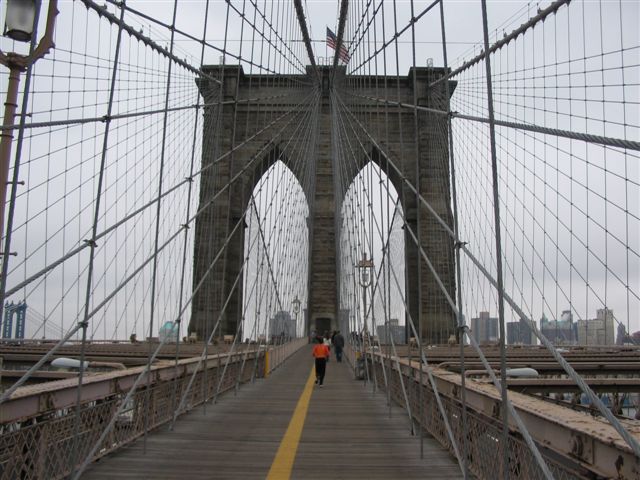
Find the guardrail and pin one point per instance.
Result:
(575, 445)
(38, 422)
(278, 354)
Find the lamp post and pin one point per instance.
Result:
(296, 309)
(366, 267)
(20, 22)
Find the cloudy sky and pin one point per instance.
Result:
(569, 211)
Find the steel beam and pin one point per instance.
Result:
(35, 400)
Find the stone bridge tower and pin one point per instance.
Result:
(230, 128)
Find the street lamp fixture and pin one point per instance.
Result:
(296, 309)
(366, 269)
(366, 266)
(365, 278)
(296, 305)
(20, 20)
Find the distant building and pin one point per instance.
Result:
(485, 328)
(622, 335)
(282, 325)
(597, 331)
(396, 330)
(520, 333)
(168, 332)
(559, 332)
(19, 310)
(623, 338)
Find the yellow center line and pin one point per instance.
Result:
(286, 455)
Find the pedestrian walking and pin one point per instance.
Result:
(326, 339)
(321, 354)
(338, 344)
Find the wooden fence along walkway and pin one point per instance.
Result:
(286, 427)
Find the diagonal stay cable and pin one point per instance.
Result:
(584, 387)
(153, 201)
(204, 353)
(305, 35)
(344, 7)
(7, 393)
(583, 136)
(102, 11)
(424, 360)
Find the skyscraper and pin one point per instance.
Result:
(485, 328)
(597, 331)
(520, 332)
(559, 332)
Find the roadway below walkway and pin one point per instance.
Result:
(340, 431)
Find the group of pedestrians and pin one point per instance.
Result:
(322, 352)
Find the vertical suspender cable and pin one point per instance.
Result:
(157, 221)
(498, 245)
(186, 226)
(454, 194)
(416, 150)
(16, 167)
(92, 245)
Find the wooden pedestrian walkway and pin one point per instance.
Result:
(346, 433)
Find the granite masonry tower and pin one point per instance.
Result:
(228, 123)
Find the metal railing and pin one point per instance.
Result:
(574, 444)
(37, 422)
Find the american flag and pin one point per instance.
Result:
(343, 54)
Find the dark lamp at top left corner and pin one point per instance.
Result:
(20, 19)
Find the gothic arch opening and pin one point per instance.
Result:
(276, 253)
(372, 257)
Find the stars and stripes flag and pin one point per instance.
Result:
(332, 40)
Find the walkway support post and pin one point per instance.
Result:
(17, 64)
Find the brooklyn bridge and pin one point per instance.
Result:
(447, 194)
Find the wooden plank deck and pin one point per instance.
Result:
(347, 434)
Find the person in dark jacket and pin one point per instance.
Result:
(338, 344)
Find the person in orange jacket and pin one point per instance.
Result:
(321, 354)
